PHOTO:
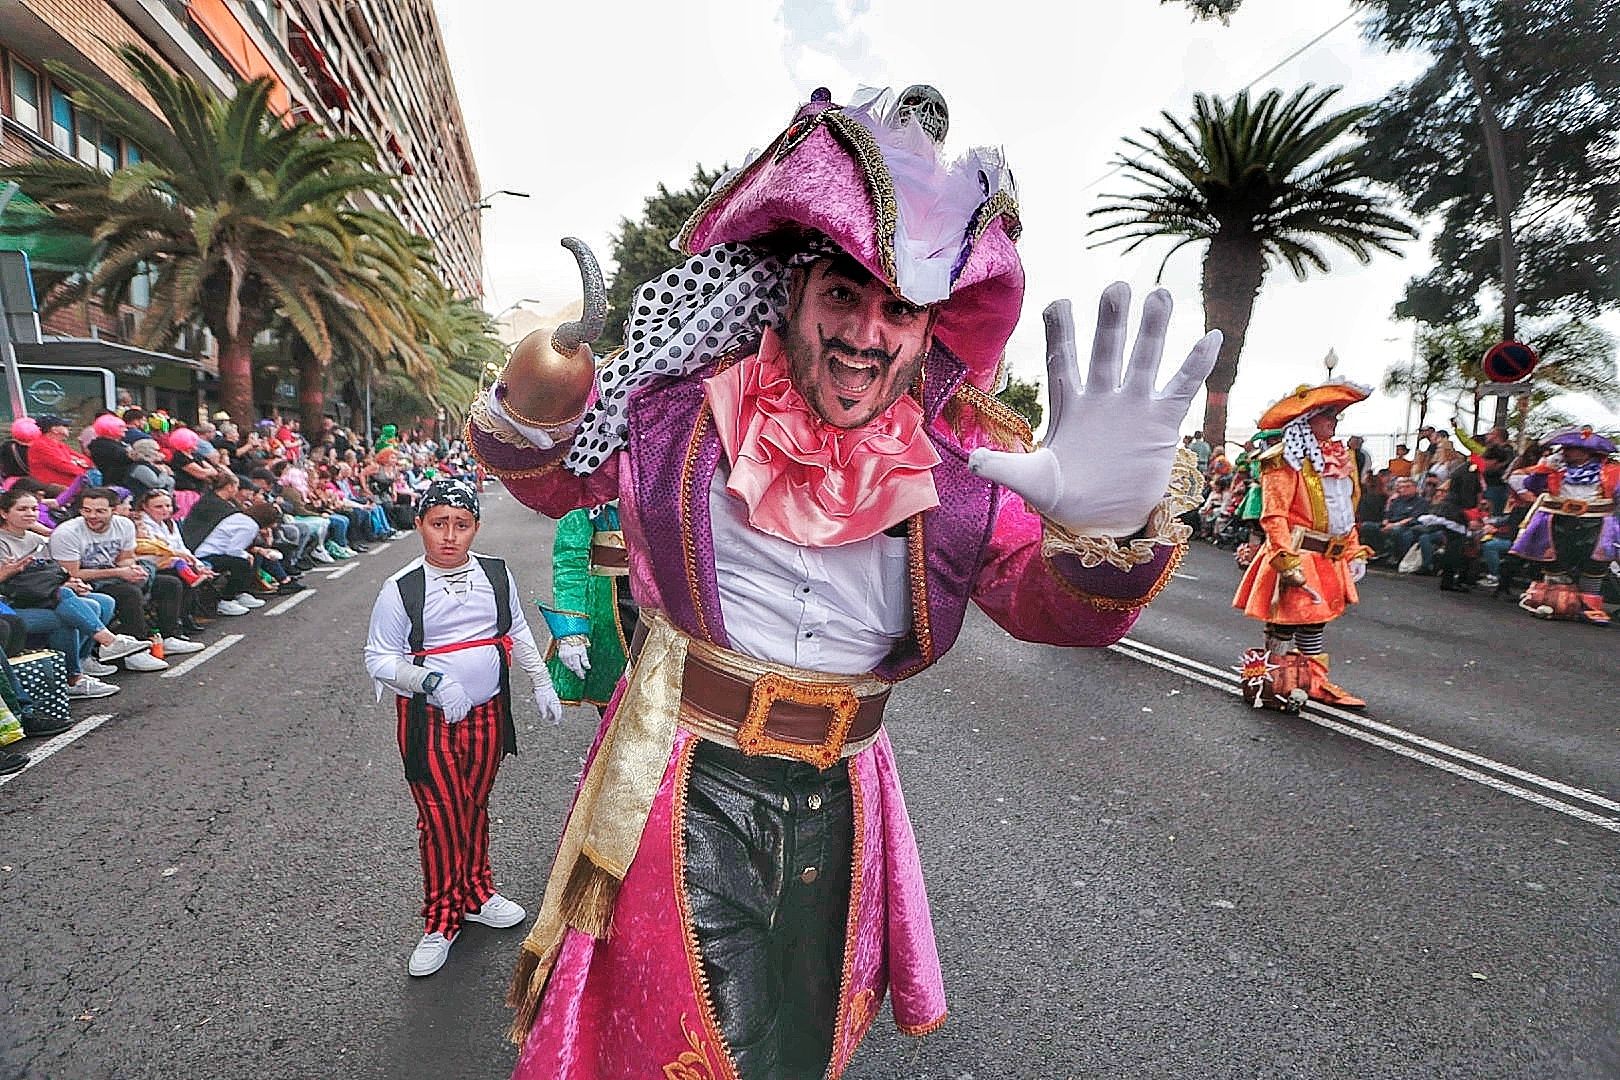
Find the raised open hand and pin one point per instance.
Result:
(1105, 462)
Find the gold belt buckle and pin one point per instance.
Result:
(1577, 507)
(772, 687)
(1336, 546)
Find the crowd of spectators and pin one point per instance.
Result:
(122, 542)
(1448, 509)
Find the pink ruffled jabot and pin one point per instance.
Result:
(805, 480)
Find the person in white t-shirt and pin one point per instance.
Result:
(444, 633)
(98, 546)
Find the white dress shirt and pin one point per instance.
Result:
(1341, 511)
(232, 536)
(459, 605)
(838, 610)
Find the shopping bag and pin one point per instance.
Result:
(1412, 561)
(11, 729)
(43, 677)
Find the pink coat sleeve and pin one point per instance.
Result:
(1058, 600)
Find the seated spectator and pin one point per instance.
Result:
(192, 475)
(1370, 507)
(1396, 530)
(147, 469)
(158, 541)
(98, 546)
(1400, 466)
(134, 423)
(108, 451)
(71, 616)
(236, 549)
(52, 458)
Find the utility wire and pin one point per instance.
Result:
(1352, 14)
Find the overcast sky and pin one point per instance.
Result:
(588, 106)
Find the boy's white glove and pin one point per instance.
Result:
(574, 652)
(452, 699)
(546, 700)
(1105, 462)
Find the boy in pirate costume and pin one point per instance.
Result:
(1573, 528)
(1305, 573)
(592, 616)
(800, 435)
(445, 631)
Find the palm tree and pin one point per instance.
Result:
(1258, 183)
(240, 215)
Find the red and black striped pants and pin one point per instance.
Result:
(452, 812)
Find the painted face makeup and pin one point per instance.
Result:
(853, 346)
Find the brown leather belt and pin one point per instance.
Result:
(776, 714)
(1576, 507)
(609, 558)
(1333, 547)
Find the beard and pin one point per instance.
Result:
(811, 358)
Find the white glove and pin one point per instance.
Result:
(574, 652)
(539, 438)
(1358, 570)
(451, 698)
(1105, 462)
(546, 700)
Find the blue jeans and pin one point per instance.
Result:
(1491, 551)
(339, 529)
(72, 624)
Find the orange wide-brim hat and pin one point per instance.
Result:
(1334, 395)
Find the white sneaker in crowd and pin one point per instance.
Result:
(498, 911)
(430, 954)
(320, 554)
(231, 607)
(91, 687)
(248, 600)
(179, 646)
(121, 646)
(144, 661)
(91, 666)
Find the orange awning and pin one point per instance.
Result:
(226, 32)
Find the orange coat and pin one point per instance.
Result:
(1293, 497)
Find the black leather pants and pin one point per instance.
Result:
(768, 849)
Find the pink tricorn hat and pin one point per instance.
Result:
(870, 179)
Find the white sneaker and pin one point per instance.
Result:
(91, 687)
(231, 607)
(498, 912)
(91, 666)
(179, 646)
(144, 661)
(320, 554)
(430, 954)
(248, 600)
(121, 646)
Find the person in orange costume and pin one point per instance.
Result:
(1306, 571)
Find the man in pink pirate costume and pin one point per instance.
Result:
(802, 439)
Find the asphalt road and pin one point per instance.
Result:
(1132, 875)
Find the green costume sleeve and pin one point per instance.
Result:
(1473, 444)
(576, 590)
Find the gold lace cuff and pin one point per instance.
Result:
(1164, 525)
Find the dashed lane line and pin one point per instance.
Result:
(77, 731)
(203, 657)
(291, 602)
(340, 571)
(1357, 729)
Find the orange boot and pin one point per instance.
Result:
(1592, 609)
(1328, 692)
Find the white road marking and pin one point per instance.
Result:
(291, 602)
(1183, 577)
(203, 657)
(1228, 682)
(379, 548)
(77, 731)
(340, 571)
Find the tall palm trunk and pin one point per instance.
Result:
(311, 389)
(236, 378)
(1233, 270)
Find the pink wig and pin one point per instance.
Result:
(25, 430)
(184, 440)
(109, 427)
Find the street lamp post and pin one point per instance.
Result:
(483, 203)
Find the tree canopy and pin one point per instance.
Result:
(641, 248)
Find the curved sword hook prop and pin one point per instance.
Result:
(568, 337)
